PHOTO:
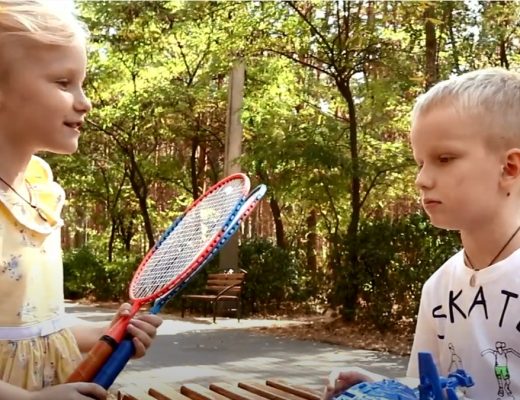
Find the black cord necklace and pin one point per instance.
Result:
(473, 279)
(29, 202)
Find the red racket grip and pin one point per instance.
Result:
(94, 360)
(118, 331)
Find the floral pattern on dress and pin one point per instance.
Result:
(37, 363)
(31, 283)
(28, 311)
(12, 268)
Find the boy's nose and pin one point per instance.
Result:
(423, 179)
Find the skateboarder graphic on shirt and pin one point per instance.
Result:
(500, 352)
(456, 361)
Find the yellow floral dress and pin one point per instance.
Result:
(31, 285)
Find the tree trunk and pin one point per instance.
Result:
(504, 62)
(312, 243)
(431, 71)
(141, 191)
(112, 238)
(193, 168)
(351, 269)
(453, 41)
(278, 223)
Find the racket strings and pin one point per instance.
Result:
(192, 235)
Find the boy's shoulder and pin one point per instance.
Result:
(445, 271)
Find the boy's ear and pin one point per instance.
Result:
(511, 167)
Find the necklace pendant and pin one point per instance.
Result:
(41, 215)
(473, 279)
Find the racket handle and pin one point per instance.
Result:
(118, 331)
(115, 364)
(94, 360)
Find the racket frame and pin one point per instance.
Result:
(125, 350)
(102, 350)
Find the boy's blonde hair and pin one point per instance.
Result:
(42, 20)
(492, 95)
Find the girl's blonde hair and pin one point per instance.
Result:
(42, 20)
(492, 95)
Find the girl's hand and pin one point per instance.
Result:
(70, 391)
(142, 327)
(340, 380)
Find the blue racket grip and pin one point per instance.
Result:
(115, 364)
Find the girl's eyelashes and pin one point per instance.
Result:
(64, 83)
(67, 84)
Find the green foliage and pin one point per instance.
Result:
(328, 92)
(81, 271)
(396, 256)
(274, 275)
(86, 274)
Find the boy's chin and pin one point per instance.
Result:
(443, 225)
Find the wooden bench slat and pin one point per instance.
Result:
(238, 275)
(234, 392)
(301, 391)
(133, 393)
(217, 290)
(272, 389)
(215, 284)
(162, 391)
(209, 297)
(198, 392)
(268, 391)
(226, 279)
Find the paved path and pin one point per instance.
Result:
(196, 350)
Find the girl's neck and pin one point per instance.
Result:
(13, 164)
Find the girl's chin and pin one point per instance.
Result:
(63, 148)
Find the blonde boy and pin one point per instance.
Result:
(465, 139)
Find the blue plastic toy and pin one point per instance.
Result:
(431, 387)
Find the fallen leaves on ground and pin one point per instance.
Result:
(352, 334)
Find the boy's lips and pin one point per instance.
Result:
(427, 202)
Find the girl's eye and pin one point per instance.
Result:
(64, 83)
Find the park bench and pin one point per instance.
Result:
(221, 287)
(271, 389)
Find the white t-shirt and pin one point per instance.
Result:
(475, 328)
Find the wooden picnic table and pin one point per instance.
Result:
(271, 389)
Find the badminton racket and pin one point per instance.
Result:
(125, 350)
(179, 252)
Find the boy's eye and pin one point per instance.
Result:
(445, 159)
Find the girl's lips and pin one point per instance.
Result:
(73, 125)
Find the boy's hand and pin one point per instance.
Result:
(142, 327)
(70, 391)
(340, 380)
